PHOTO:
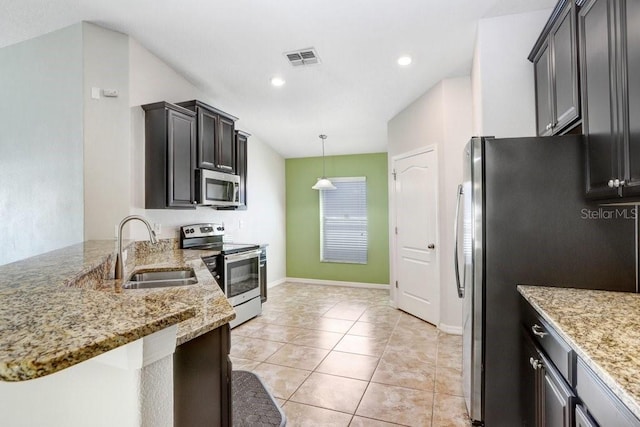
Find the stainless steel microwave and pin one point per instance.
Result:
(217, 188)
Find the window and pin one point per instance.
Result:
(343, 221)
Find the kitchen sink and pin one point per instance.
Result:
(161, 279)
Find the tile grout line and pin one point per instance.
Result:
(376, 368)
(370, 303)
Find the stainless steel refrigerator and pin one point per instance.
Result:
(523, 219)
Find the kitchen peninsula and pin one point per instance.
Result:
(61, 310)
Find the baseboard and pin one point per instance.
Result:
(276, 283)
(338, 283)
(448, 329)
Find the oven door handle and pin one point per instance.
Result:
(242, 256)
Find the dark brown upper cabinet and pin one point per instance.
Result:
(241, 167)
(555, 60)
(170, 141)
(215, 137)
(609, 38)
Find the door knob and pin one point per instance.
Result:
(431, 246)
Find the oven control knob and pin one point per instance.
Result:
(191, 231)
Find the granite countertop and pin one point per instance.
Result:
(603, 327)
(60, 308)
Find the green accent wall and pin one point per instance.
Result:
(303, 218)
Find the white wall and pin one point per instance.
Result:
(106, 131)
(441, 117)
(503, 81)
(152, 80)
(41, 185)
(457, 132)
(129, 386)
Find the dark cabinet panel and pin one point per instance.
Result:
(558, 397)
(599, 86)
(226, 146)
(543, 93)
(555, 58)
(241, 167)
(547, 400)
(207, 135)
(202, 380)
(529, 380)
(546, 367)
(609, 32)
(631, 25)
(215, 139)
(181, 165)
(169, 156)
(565, 70)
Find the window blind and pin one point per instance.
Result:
(343, 221)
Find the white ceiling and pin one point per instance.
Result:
(232, 48)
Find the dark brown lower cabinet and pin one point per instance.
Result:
(202, 380)
(558, 389)
(547, 399)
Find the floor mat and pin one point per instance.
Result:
(253, 405)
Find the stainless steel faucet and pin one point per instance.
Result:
(152, 236)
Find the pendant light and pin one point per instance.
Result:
(323, 183)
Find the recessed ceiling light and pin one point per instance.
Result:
(277, 81)
(404, 60)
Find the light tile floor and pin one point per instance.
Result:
(335, 356)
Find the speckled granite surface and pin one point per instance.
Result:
(602, 327)
(61, 308)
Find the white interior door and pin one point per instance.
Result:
(416, 263)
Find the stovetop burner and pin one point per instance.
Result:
(210, 236)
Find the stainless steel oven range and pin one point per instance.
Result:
(236, 268)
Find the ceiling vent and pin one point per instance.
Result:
(303, 57)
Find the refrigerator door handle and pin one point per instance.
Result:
(459, 286)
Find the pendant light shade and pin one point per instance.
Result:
(323, 183)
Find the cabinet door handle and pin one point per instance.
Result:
(616, 183)
(431, 246)
(535, 363)
(538, 331)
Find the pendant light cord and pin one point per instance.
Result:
(323, 137)
(323, 171)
